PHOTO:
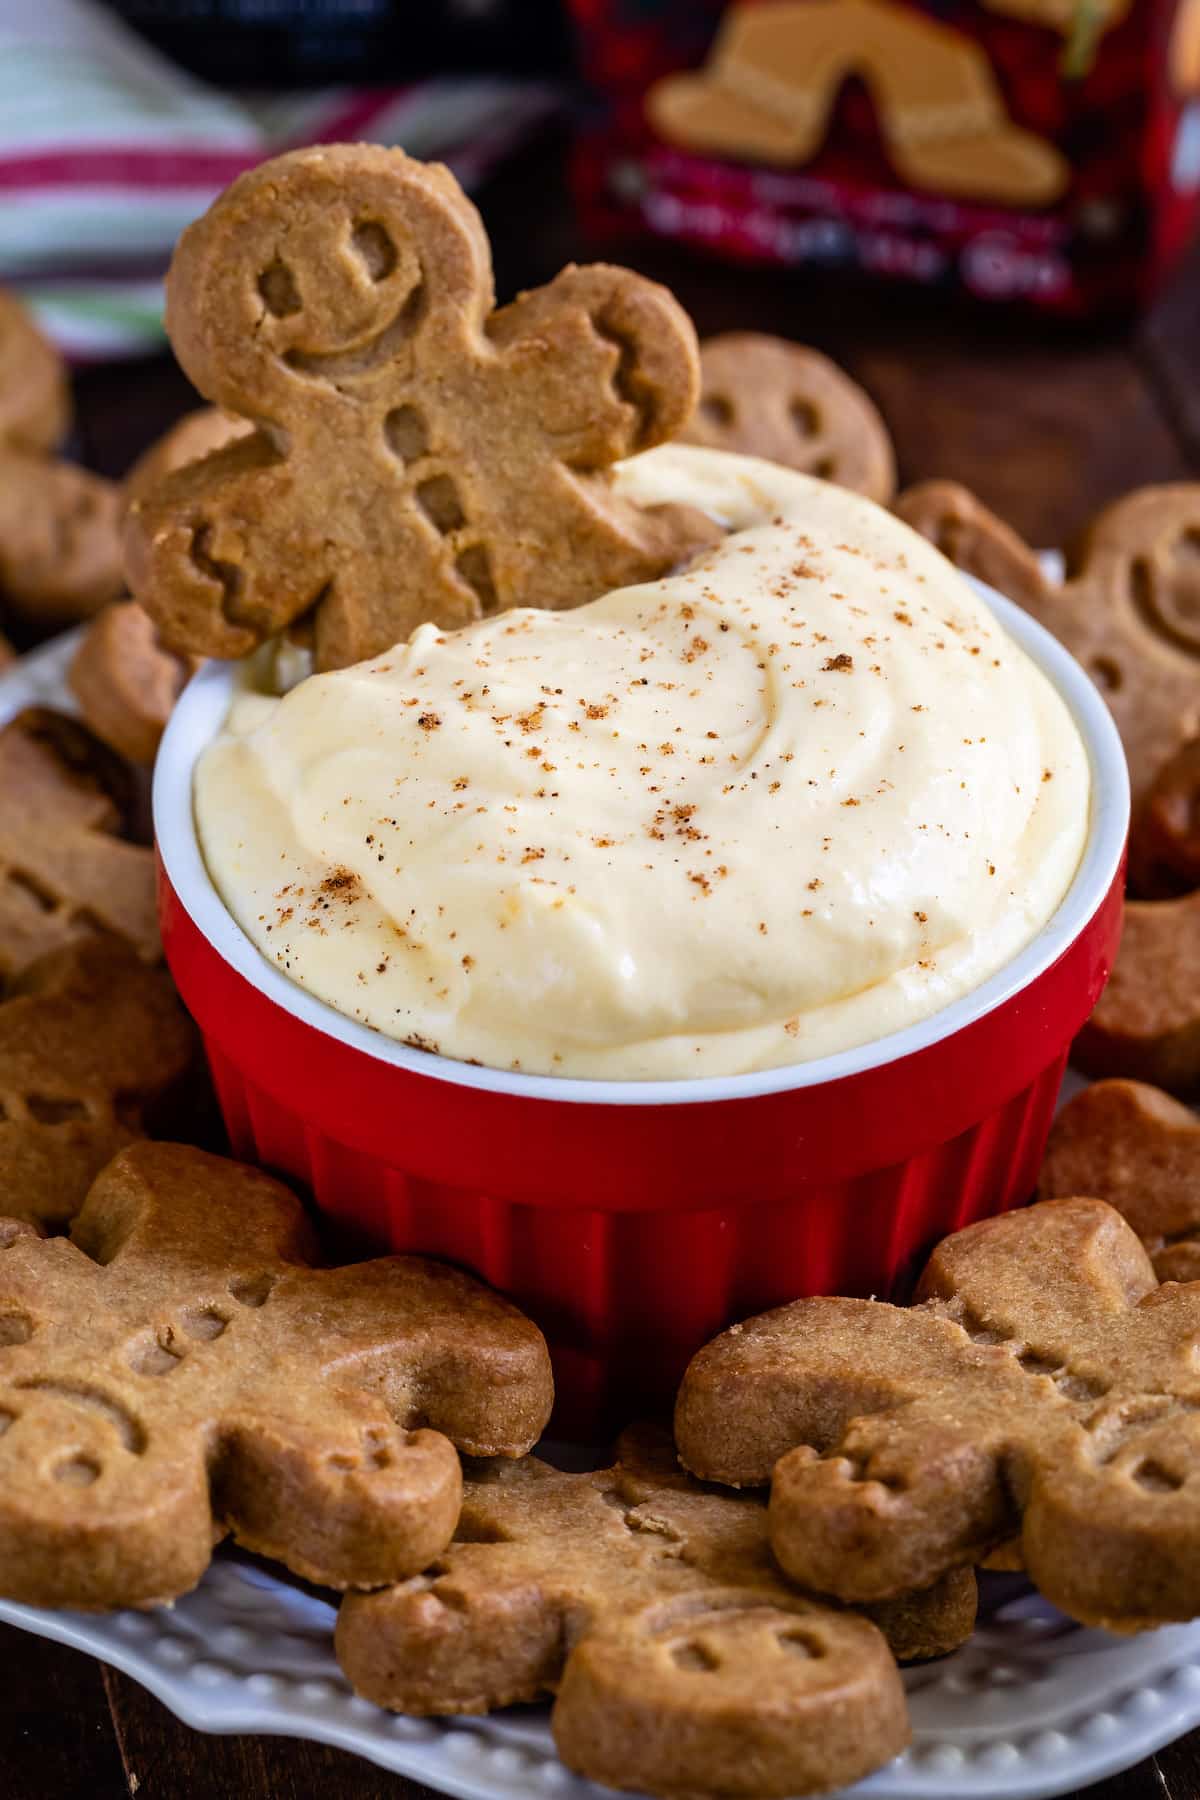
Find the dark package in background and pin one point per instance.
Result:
(286, 43)
(1040, 152)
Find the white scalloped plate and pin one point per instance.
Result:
(1033, 1706)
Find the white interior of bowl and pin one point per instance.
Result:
(201, 712)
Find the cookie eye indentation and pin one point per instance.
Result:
(278, 291)
(695, 1658)
(47, 1110)
(6, 1419)
(800, 1643)
(375, 248)
(252, 1290)
(15, 1328)
(805, 417)
(473, 566)
(1151, 1476)
(1107, 674)
(717, 410)
(406, 433)
(77, 1471)
(438, 499)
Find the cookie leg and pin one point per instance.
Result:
(944, 118)
(769, 86)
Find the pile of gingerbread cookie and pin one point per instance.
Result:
(723, 1608)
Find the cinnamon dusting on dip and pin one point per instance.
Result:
(583, 842)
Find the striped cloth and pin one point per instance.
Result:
(107, 150)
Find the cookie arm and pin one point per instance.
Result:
(653, 374)
(974, 539)
(479, 1630)
(798, 1375)
(214, 555)
(440, 1348)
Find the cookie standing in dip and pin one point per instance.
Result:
(793, 798)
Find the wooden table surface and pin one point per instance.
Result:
(1046, 423)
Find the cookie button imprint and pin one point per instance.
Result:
(794, 797)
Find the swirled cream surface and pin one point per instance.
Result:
(797, 796)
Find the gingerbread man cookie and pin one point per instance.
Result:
(763, 396)
(1128, 610)
(681, 1660)
(59, 524)
(419, 456)
(65, 870)
(774, 72)
(175, 1370)
(94, 1049)
(1132, 1145)
(1046, 1387)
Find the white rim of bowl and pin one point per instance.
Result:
(201, 711)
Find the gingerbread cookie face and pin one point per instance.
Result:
(650, 1605)
(1128, 610)
(774, 73)
(1147, 1022)
(1136, 1147)
(126, 681)
(420, 457)
(35, 405)
(1046, 1389)
(763, 396)
(94, 1045)
(145, 1415)
(65, 872)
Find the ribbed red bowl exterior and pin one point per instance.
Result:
(633, 1233)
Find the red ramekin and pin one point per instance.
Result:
(635, 1219)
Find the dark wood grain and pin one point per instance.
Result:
(56, 1732)
(1046, 423)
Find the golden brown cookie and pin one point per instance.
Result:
(175, 1371)
(764, 396)
(1045, 1388)
(65, 870)
(125, 681)
(1147, 1022)
(767, 92)
(1129, 609)
(1164, 842)
(35, 401)
(1132, 1145)
(60, 540)
(681, 1660)
(419, 456)
(196, 435)
(94, 1049)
